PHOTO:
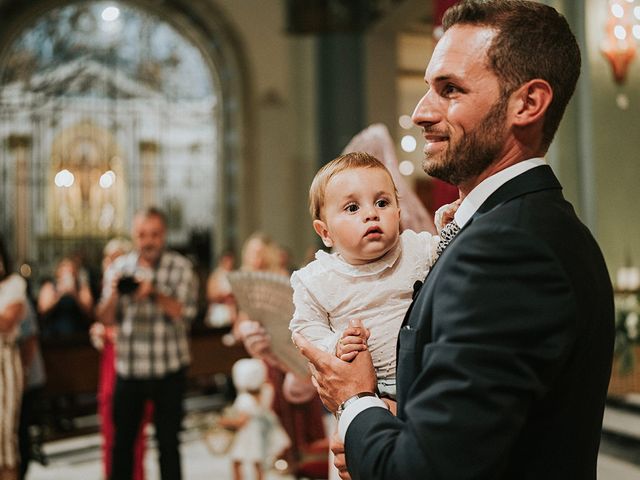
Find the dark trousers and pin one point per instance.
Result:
(128, 407)
(28, 414)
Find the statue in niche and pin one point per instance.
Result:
(87, 189)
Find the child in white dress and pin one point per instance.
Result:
(259, 437)
(371, 273)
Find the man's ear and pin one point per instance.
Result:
(321, 229)
(532, 101)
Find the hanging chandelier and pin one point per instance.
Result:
(622, 31)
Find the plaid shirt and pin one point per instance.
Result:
(149, 343)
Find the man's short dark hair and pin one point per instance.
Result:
(532, 41)
(149, 212)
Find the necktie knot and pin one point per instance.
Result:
(449, 231)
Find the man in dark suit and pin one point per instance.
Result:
(505, 355)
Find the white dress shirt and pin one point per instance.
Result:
(467, 209)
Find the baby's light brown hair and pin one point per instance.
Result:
(344, 162)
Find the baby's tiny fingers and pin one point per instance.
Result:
(352, 331)
(351, 339)
(352, 347)
(367, 333)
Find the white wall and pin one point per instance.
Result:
(281, 119)
(605, 178)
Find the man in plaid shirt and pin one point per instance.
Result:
(151, 293)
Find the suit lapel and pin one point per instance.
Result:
(417, 321)
(533, 180)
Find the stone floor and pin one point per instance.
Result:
(200, 464)
(85, 464)
(78, 458)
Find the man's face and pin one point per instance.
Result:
(149, 234)
(462, 114)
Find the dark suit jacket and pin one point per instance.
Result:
(505, 355)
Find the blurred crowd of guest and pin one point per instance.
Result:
(138, 315)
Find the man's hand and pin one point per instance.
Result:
(336, 379)
(145, 288)
(339, 460)
(169, 305)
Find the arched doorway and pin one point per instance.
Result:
(108, 107)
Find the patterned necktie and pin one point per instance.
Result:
(449, 231)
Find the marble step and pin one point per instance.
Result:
(622, 417)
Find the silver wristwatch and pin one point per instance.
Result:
(352, 399)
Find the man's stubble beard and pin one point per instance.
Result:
(475, 151)
(151, 254)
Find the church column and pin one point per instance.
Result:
(20, 147)
(341, 91)
(148, 172)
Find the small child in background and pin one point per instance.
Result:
(371, 273)
(259, 437)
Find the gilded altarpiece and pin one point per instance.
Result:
(104, 109)
(94, 204)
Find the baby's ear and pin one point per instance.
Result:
(321, 229)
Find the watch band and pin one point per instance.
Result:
(350, 400)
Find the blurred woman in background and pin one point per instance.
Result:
(12, 308)
(295, 402)
(65, 303)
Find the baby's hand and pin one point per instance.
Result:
(393, 406)
(353, 340)
(445, 214)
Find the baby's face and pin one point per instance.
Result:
(360, 216)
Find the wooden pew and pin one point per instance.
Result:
(73, 364)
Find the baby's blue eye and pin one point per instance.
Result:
(351, 208)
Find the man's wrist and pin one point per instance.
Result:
(350, 400)
(356, 408)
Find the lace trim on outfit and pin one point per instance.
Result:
(334, 262)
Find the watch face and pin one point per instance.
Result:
(352, 399)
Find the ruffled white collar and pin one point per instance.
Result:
(335, 262)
